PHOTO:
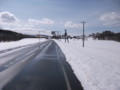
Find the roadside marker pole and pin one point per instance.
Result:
(60, 35)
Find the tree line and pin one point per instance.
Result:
(106, 35)
(7, 35)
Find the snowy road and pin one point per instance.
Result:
(41, 66)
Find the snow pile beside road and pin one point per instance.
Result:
(97, 65)
(4, 46)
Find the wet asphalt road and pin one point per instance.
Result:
(47, 71)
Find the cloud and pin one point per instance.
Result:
(10, 22)
(7, 17)
(45, 21)
(112, 18)
(70, 24)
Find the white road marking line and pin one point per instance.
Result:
(64, 72)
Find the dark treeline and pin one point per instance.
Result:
(7, 35)
(106, 35)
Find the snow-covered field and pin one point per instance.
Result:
(7, 46)
(97, 65)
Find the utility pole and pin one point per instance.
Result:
(83, 32)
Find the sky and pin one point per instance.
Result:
(32, 16)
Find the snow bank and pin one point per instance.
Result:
(97, 65)
(13, 44)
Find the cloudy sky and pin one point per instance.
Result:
(31, 16)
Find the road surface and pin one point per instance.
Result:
(41, 66)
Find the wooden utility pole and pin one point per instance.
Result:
(83, 33)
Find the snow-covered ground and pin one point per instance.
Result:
(97, 65)
(7, 46)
